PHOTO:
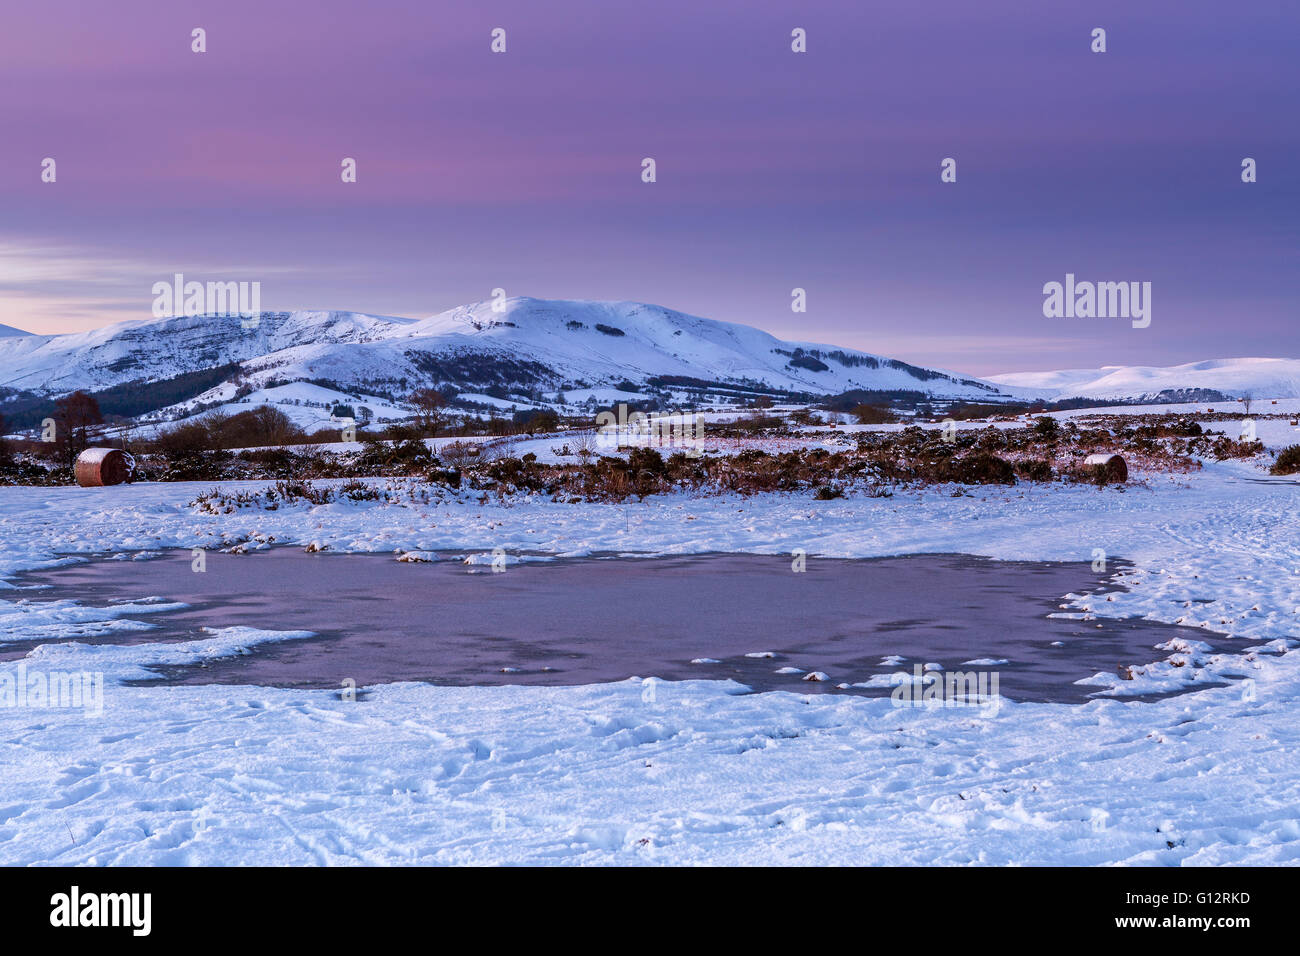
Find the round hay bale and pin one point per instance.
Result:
(1112, 467)
(104, 466)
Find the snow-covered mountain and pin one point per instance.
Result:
(8, 330)
(1233, 378)
(539, 347)
(535, 344)
(145, 351)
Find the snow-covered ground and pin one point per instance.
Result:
(691, 772)
(308, 406)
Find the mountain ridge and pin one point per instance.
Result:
(524, 343)
(522, 350)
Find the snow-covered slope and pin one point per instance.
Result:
(159, 349)
(529, 343)
(611, 341)
(545, 346)
(1260, 377)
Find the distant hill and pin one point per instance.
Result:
(1261, 377)
(531, 346)
(527, 354)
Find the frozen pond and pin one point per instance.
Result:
(582, 621)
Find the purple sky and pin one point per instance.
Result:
(775, 170)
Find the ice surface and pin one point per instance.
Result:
(687, 772)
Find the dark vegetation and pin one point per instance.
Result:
(1288, 461)
(809, 363)
(874, 415)
(263, 442)
(474, 371)
(875, 462)
(27, 410)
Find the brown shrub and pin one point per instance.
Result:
(873, 415)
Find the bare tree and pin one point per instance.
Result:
(1247, 397)
(584, 444)
(458, 454)
(215, 422)
(430, 411)
(274, 427)
(75, 416)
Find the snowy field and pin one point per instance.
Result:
(672, 773)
